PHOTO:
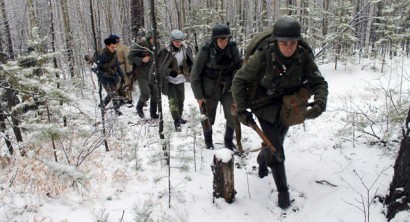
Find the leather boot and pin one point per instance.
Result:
(263, 168)
(279, 175)
(139, 109)
(105, 102)
(177, 124)
(208, 139)
(228, 138)
(116, 106)
(153, 110)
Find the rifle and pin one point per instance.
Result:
(196, 44)
(238, 130)
(254, 126)
(206, 124)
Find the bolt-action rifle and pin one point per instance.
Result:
(196, 44)
(254, 126)
(238, 130)
(206, 124)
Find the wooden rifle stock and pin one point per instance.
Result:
(254, 126)
(206, 124)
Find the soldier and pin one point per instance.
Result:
(175, 61)
(211, 79)
(280, 68)
(109, 73)
(126, 68)
(142, 60)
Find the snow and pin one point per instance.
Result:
(329, 176)
(225, 155)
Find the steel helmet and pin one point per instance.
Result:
(221, 31)
(150, 34)
(177, 35)
(287, 28)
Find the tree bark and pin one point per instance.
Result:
(398, 198)
(7, 27)
(15, 122)
(223, 183)
(3, 130)
(325, 25)
(137, 17)
(32, 15)
(69, 37)
(368, 31)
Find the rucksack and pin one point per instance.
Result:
(264, 38)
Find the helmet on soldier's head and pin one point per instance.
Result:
(177, 35)
(287, 28)
(221, 31)
(150, 34)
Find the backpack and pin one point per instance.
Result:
(264, 38)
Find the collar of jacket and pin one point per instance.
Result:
(108, 53)
(169, 47)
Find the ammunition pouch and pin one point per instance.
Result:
(294, 106)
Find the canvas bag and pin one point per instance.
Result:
(294, 107)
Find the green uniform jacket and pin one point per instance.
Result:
(263, 75)
(135, 56)
(207, 67)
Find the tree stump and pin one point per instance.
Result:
(222, 168)
(398, 198)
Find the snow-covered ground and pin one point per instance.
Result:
(330, 176)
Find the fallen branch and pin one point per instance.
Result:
(325, 182)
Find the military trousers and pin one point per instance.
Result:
(112, 94)
(226, 101)
(176, 97)
(147, 90)
(276, 133)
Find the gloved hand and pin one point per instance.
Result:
(244, 116)
(313, 112)
(173, 73)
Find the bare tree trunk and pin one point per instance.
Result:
(276, 10)
(178, 15)
(3, 130)
(99, 83)
(183, 13)
(223, 183)
(399, 195)
(7, 27)
(368, 31)
(93, 28)
(325, 17)
(69, 36)
(264, 16)
(53, 37)
(32, 15)
(137, 17)
(14, 121)
(108, 15)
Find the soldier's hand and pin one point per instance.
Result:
(146, 59)
(313, 112)
(245, 116)
(200, 101)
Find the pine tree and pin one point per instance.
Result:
(341, 33)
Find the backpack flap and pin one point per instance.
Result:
(294, 107)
